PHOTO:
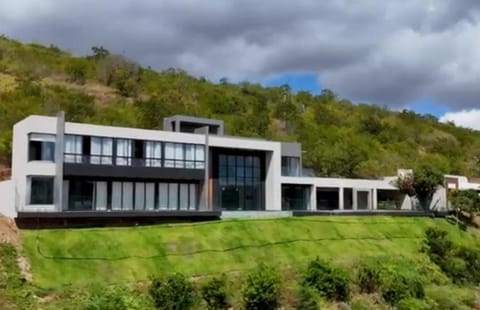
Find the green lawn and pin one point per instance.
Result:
(82, 256)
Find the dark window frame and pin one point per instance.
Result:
(47, 187)
(35, 149)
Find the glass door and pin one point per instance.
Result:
(230, 198)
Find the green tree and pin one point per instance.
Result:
(423, 184)
(427, 179)
(99, 52)
(465, 201)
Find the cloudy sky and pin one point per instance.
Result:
(417, 54)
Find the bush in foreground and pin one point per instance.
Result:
(262, 289)
(173, 292)
(369, 278)
(113, 298)
(307, 298)
(460, 263)
(410, 303)
(214, 293)
(400, 287)
(331, 282)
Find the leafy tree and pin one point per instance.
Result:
(465, 201)
(422, 184)
(99, 52)
(427, 179)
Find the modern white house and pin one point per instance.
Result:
(72, 171)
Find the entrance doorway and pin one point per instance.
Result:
(230, 198)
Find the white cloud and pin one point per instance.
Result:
(464, 118)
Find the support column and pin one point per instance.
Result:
(354, 199)
(313, 198)
(374, 199)
(204, 203)
(59, 147)
(341, 202)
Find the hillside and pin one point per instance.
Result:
(340, 138)
(124, 255)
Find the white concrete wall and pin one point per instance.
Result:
(7, 202)
(273, 164)
(340, 182)
(22, 168)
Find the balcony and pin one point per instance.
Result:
(127, 167)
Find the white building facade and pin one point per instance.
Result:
(64, 169)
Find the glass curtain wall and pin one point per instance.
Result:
(128, 152)
(290, 166)
(84, 195)
(295, 197)
(239, 181)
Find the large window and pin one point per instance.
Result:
(101, 150)
(153, 154)
(128, 152)
(41, 147)
(86, 195)
(41, 190)
(124, 152)
(175, 196)
(131, 196)
(180, 155)
(295, 197)
(290, 166)
(73, 149)
(239, 183)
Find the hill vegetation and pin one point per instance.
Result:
(340, 138)
(302, 263)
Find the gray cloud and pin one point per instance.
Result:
(382, 51)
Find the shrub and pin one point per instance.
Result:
(368, 302)
(214, 293)
(461, 264)
(437, 245)
(262, 288)
(471, 258)
(369, 278)
(331, 282)
(307, 298)
(173, 292)
(399, 287)
(451, 298)
(77, 70)
(112, 298)
(410, 303)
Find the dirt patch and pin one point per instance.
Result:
(9, 233)
(101, 93)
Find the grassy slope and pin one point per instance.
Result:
(105, 254)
